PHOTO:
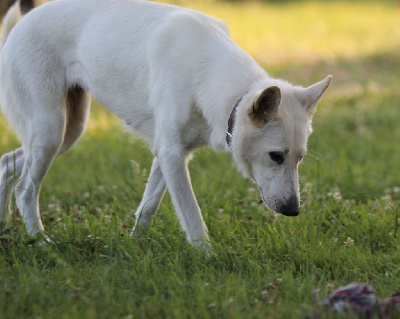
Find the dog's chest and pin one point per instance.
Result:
(196, 131)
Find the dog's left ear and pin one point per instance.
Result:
(313, 94)
(265, 106)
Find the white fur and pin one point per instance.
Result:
(173, 75)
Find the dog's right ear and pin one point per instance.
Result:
(265, 106)
(313, 94)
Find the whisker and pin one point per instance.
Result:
(315, 154)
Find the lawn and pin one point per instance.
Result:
(263, 265)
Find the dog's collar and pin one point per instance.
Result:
(231, 123)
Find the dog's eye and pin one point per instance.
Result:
(277, 157)
(301, 158)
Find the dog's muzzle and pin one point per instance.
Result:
(291, 207)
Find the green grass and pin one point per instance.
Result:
(263, 266)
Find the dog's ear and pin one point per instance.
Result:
(313, 94)
(265, 106)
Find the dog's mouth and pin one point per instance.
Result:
(290, 209)
(291, 214)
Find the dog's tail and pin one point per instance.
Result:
(11, 18)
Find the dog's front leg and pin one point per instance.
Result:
(153, 194)
(173, 163)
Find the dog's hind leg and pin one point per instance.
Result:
(10, 171)
(55, 136)
(40, 148)
(153, 194)
(76, 106)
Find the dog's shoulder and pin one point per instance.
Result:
(191, 20)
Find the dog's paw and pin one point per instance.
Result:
(202, 244)
(142, 225)
(138, 230)
(40, 240)
(5, 236)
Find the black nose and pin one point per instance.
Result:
(291, 207)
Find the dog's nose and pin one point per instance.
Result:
(291, 207)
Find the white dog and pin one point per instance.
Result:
(173, 75)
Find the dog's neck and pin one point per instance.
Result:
(237, 73)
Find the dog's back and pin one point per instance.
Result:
(64, 38)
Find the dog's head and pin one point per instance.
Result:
(269, 141)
